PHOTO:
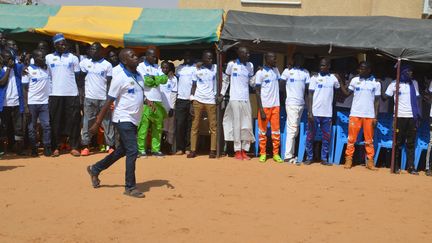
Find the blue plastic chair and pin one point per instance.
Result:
(421, 144)
(318, 137)
(341, 136)
(383, 137)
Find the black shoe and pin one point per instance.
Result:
(158, 154)
(94, 178)
(326, 163)
(307, 162)
(34, 152)
(191, 155)
(412, 171)
(212, 154)
(47, 151)
(134, 193)
(429, 172)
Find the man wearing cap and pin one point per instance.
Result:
(64, 102)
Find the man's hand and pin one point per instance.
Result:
(219, 99)
(112, 107)
(263, 115)
(151, 104)
(310, 117)
(198, 65)
(374, 122)
(11, 63)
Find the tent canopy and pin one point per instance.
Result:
(116, 26)
(409, 39)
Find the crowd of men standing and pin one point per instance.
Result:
(126, 97)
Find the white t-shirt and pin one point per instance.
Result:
(11, 97)
(239, 82)
(206, 84)
(404, 109)
(268, 79)
(323, 87)
(128, 97)
(62, 70)
(116, 70)
(96, 78)
(185, 74)
(167, 90)
(296, 80)
(145, 69)
(365, 91)
(39, 85)
(430, 90)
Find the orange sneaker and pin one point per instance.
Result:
(110, 150)
(238, 155)
(244, 155)
(85, 152)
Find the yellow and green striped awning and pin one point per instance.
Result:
(116, 26)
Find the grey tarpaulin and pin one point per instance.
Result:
(409, 39)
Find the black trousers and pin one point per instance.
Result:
(405, 134)
(12, 124)
(65, 119)
(183, 121)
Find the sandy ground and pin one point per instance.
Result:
(202, 200)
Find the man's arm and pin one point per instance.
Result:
(309, 105)
(343, 87)
(260, 107)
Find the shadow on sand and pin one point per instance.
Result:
(146, 186)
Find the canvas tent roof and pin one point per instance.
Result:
(409, 39)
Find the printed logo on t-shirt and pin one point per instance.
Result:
(131, 91)
(34, 80)
(52, 65)
(292, 80)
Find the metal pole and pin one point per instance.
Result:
(392, 165)
(218, 105)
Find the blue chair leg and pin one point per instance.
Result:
(332, 145)
(256, 138)
(302, 143)
(418, 152)
(377, 154)
(282, 144)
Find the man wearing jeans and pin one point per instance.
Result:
(295, 79)
(37, 90)
(127, 91)
(98, 75)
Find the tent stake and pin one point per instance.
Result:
(392, 165)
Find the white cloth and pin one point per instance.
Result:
(268, 79)
(292, 128)
(11, 97)
(430, 90)
(116, 70)
(240, 75)
(323, 91)
(168, 95)
(185, 74)
(365, 92)
(146, 69)
(62, 71)
(205, 80)
(404, 109)
(96, 78)
(237, 124)
(39, 85)
(128, 97)
(295, 83)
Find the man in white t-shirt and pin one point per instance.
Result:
(428, 154)
(169, 99)
(12, 100)
(408, 114)
(295, 79)
(151, 119)
(237, 120)
(267, 92)
(64, 101)
(203, 96)
(364, 110)
(320, 110)
(37, 90)
(127, 93)
(98, 75)
(183, 117)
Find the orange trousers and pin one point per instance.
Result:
(355, 124)
(272, 116)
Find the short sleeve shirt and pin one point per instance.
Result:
(185, 74)
(295, 84)
(146, 69)
(323, 91)
(126, 89)
(96, 77)
(62, 69)
(365, 91)
(404, 109)
(39, 85)
(240, 75)
(268, 79)
(11, 97)
(205, 80)
(167, 90)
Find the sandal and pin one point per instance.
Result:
(56, 153)
(134, 193)
(94, 178)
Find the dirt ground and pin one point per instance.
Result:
(203, 200)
